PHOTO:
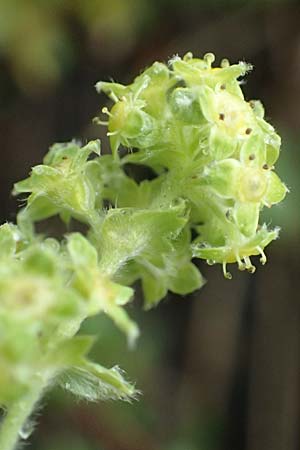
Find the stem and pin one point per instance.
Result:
(17, 415)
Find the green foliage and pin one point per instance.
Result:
(213, 155)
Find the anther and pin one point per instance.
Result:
(248, 130)
(209, 58)
(225, 63)
(223, 86)
(265, 166)
(188, 56)
(251, 157)
(222, 116)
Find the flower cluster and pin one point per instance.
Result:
(189, 122)
(46, 291)
(212, 155)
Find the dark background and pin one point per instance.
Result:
(219, 370)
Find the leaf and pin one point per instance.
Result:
(93, 382)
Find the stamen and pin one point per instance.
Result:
(263, 258)
(209, 58)
(100, 122)
(249, 265)
(105, 111)
(267, 204)
(225, 63)
(241, 265)
(226, 274)
(188, 56)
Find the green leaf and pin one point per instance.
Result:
(93, 382)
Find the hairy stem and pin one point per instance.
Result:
(14, 426)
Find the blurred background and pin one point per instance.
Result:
(219, 370)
